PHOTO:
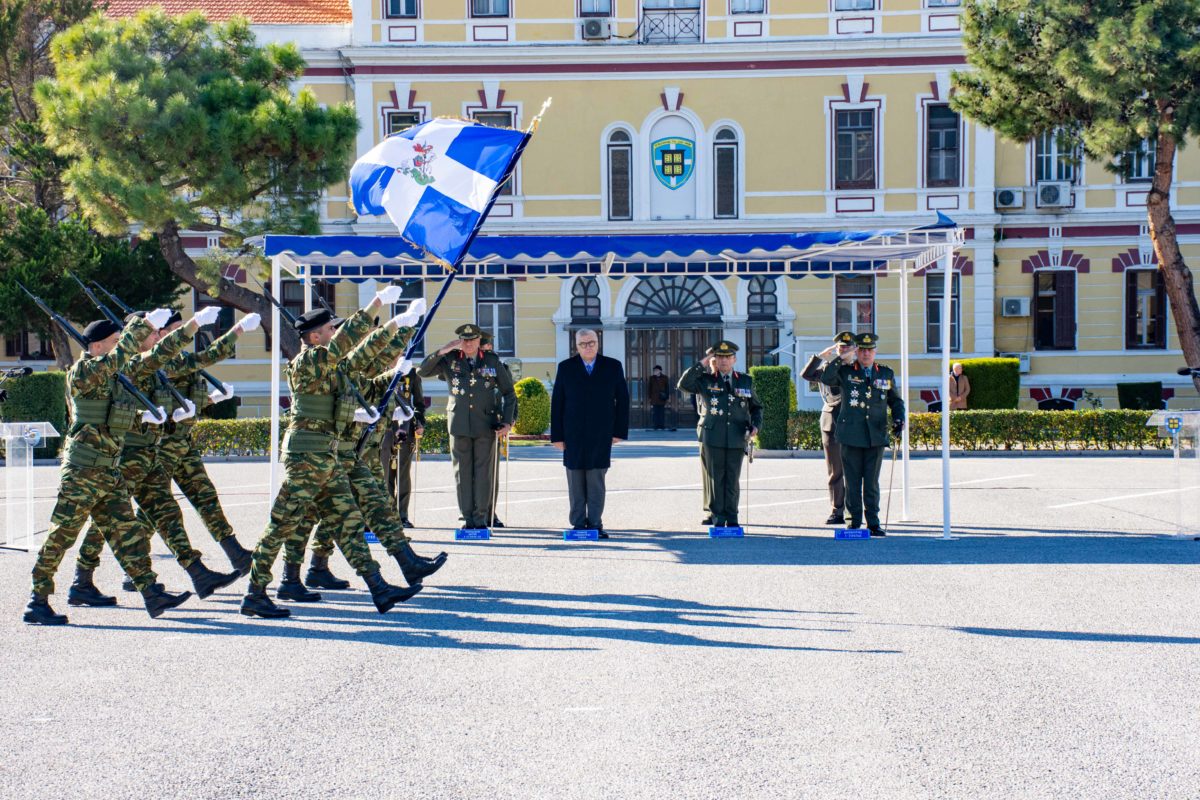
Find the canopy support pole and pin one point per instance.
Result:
(904, 389)
(273, 489)
(947, 301)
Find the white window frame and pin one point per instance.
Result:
(744, 9)
(933, 311)
(856, 301)
(387, 13)
(508, 13)
(1145, 156)
(494, 303)
(609, 147)
(1059, 161)
(733, 144)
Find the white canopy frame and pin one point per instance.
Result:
(904, 253)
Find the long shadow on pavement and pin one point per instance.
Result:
(1079, 636)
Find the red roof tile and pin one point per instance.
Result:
(262, 12)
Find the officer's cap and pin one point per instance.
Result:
(485, 337)
(723, 348)
(468, 331)
(312, 320)
(100, 330)
(844, 337)
(866, 341)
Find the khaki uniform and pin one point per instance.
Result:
(831, 401)
(481, 400)
(729, 408)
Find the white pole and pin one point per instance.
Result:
(276, 336)
(307, 291)
(904, 361)
(947, 285)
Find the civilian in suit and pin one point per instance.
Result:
(658, 391)
(589, 413)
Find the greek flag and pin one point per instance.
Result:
(435, 181)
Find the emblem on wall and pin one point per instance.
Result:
(673, 160)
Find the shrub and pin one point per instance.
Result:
(251, 436)
(40, 397)
(995, 382)
(771, 384)
(804, 430)
(533, 407)
(1141, 396)
(437, 437)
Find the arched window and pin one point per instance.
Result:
(762, 322)
(667, 299)
(620, 175)
(725, 174)
(1056, 404)
(761, 302)
(585, 301)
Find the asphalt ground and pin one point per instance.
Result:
(1051, 650)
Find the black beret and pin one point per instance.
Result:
(100, 330)
(311, 320)
(174, 318)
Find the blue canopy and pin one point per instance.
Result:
(361, 258)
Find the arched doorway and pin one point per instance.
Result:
(669, 322)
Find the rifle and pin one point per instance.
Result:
(216, 384)
(69, 329)
(161, 376)
(291, 318)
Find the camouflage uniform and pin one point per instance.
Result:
(92, 485)
(369, 493)
(403, 445)
(322, 411)
(138, 461)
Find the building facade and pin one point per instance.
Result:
(680, 116)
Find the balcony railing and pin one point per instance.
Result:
(670, 26)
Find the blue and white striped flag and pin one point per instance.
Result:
(435, 181)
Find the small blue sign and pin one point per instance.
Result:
(673, 159)
(472, 534)
(370, 537)
(590, 535)
(1174, 424)
(722, 532)
(851, 533)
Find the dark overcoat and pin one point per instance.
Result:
(588, 411)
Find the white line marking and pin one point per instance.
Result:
(1122, 497)
(894, 491)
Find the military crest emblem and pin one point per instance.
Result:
(674, 159)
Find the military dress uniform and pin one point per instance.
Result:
(481, 401)
(102, 413)
(403, 445)
(831, 401)
(862, 428)
(729, 410)
(323, 409)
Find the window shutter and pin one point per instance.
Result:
(620, 199)
(1131, 308)
(1160, 310)
(726, 182)
(1064, 310)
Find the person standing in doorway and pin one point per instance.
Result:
(658, 390)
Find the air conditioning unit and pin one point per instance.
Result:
(1010, 197)
(1014, 306)
(1053, 194)
(1022, 359)
(597, 29)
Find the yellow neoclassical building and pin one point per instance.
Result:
(747, 116)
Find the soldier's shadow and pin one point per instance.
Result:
(432, 619)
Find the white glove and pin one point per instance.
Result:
(158, 317)
(417, 306)
(188, 411)
(149, 418)
(405, 366)
(249, 322)
(389, 294)
(407, 319)
(361, 415)
(206, 316)
(402, 414)
(217, 397)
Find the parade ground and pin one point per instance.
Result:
(1051, 651)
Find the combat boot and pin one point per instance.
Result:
(39, 612)
(158, 599)
(290, 588)
(128, 585)
(385, 595)
(207, 581)
(84, 593)
(239, 557)
(319, 576)
(414, 568)
(257, 604)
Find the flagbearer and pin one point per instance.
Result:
(730, 413)
(868, 390)
(482, 405)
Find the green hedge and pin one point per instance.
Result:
(40, 397)
(252, 436)
(771, 384)
(1141, 396)
(995, 382)
(1011, 430)
(533, 407)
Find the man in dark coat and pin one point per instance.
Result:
(589, 413)
(658, 391)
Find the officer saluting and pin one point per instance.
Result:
(730, 413)
(477, 416)
(831, 397)
(868, 391)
